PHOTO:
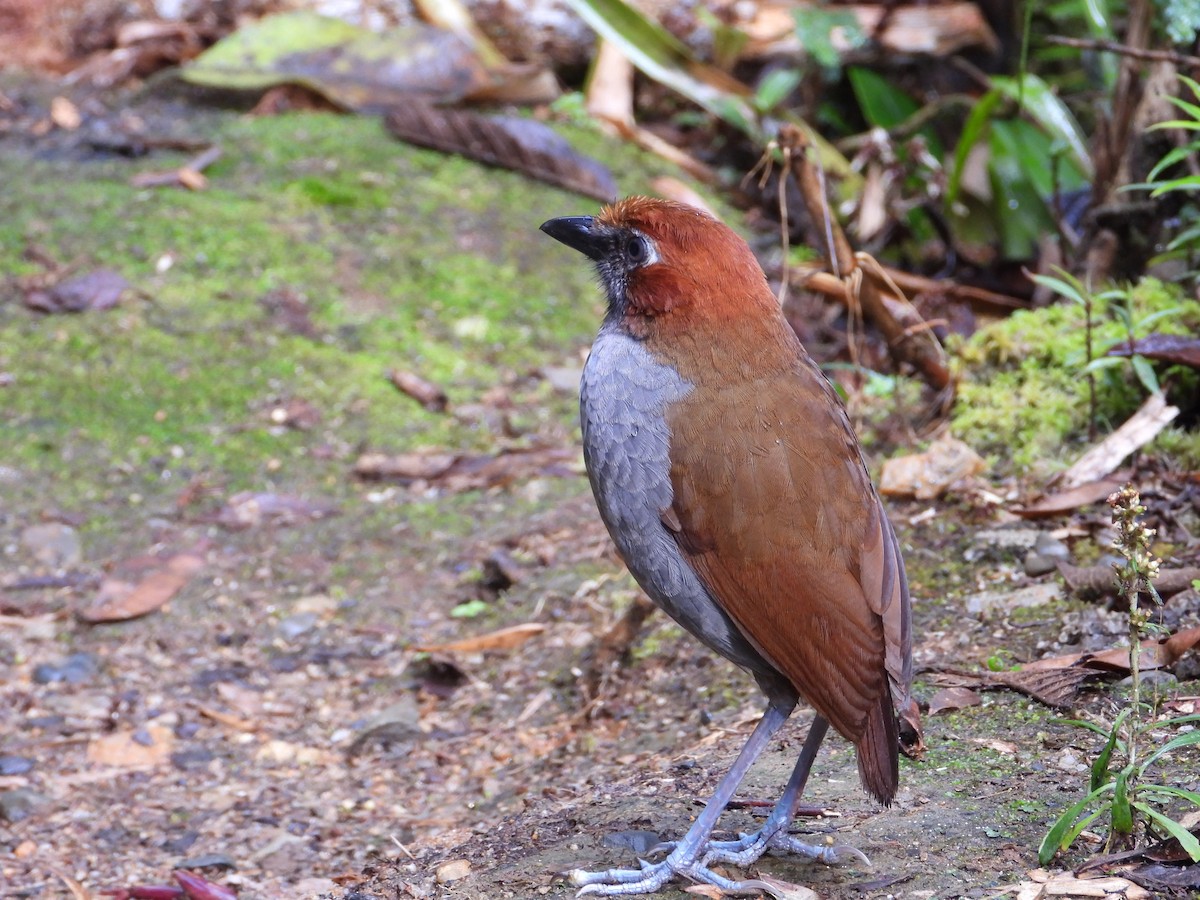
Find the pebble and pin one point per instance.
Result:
(15, 765)
(53, 544)
(990, 601)
(453, 870)
(1001, 542)
(20, 804)
(77, 668)
(297, 624)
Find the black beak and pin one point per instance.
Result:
(578, 233)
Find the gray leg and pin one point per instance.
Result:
(773, 835)
(684, 858)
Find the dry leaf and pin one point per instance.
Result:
(149, 746)
(463, 472)
(78, 891)
(425, 392)
(705, 890)
(1070, 500)
(503, 639)
(953, 698)
(523, 145)
(119, 600)
(1173, 349)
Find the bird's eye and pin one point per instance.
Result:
(637, 250)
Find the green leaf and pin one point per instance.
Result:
(1186, 739)
(1101, 363)
(1100, 771)
(1186, 839)
(1059, 836)
(973, 131)
(663, 57)
(775, 88)
(1179, 154)
(1188, 183)
(1122, 813)
(883, 103)
(1154, 317)
(815, 28)
(469, 610)
(1068, 286)
(1169, 790)
(1016, 165)
(1037, 97)
(1145, 372)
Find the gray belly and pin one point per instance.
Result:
(624, 396)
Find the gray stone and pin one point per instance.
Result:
(53, 544)
(20, 804)
(987, 602)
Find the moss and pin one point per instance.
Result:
(403, 258)
(1023, 396)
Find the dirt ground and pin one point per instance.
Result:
(290, 723)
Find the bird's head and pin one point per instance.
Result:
(662, 262)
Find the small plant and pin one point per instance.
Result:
(1118, 785)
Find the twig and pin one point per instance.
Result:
(861, 285)
(1167, 56)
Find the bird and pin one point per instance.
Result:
(729, 476)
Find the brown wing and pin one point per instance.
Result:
(777, 514)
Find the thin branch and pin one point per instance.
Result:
(1167, 56)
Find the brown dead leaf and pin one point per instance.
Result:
(120, 600)
(453, 870)
(523, 145)
(502, 639)
(148, 746)
(99, 289)
(229, 720)
(1173, 349)
(705, 890)
(425, 392)
(78, 891)
(953, 698)
(463, 472)
(248, 510)
(1070, 500)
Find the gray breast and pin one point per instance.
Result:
(624, 397)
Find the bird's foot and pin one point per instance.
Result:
(652, 876)
(750, 847)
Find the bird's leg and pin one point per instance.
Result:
(773, 835)
(684, 859)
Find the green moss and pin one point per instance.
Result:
(1023, 395)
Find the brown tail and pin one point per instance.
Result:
(878, 752)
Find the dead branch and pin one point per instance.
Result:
(1182, 60)
(867, 286)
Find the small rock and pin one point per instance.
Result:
(1037, 564)
(207, 861)
(1001, 542)
(192, 759)
(638, 842)
(1048, 545)
(25, 849)
(453, 871)
(77, 668)
(297, 624)
(1155, 678)
(15, 765)
(53, 544)
(18, 805)
(990, 601)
